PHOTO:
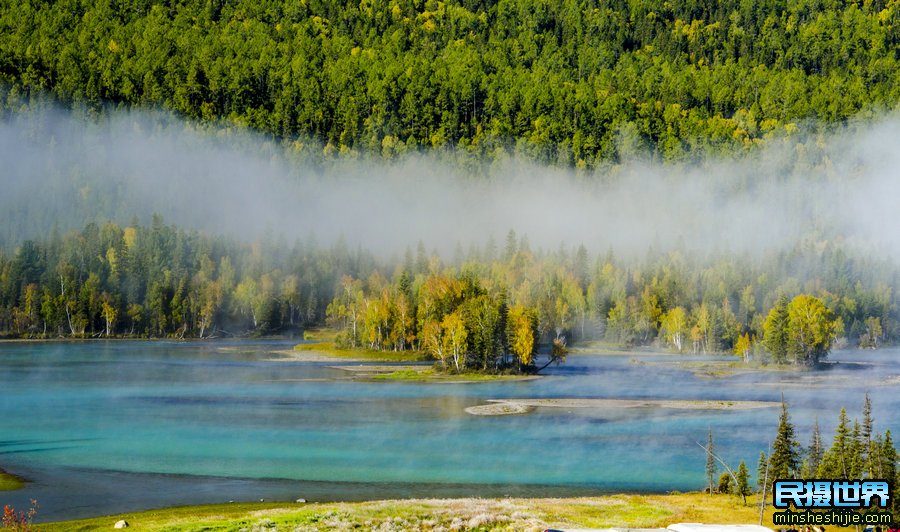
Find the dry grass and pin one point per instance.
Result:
(442, 514)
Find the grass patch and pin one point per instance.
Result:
(330, 349)
(599, 347)
(459, 514)
(324, 334)
(430, 375)
(10, 482)
(404, 375)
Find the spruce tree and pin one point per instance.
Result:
(785, 458)
(888, 458)
(867, 421)
(836, 461)
(775, 329)
(762, 470)
(710, 462)
(813, 453)
(870, 448)
(856, 452)
(743, 480)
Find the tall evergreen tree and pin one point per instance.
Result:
(775, 337)
(785, 459)
(870, 447)
(836, 462)
(743, 480)
(762, 470)
(813, 453)
(710, 462)
(856, 452)
(888, 469)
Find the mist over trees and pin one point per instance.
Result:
(647, 101)
(575, 83)
(497, 304)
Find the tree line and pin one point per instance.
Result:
(857, 452)
(488, 303)
(574, 82)
(161, 281)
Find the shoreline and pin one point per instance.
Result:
(632, 510)
(423, 373)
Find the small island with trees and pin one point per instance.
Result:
(457, 322)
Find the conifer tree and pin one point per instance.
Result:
(775, 337)
(836, 460)
(856, 452)
(710, 462)
(870, 447)
(813, 453)
(785, 458)
(762, 472)
(743, 480)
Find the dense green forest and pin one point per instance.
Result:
(581, 84)
(574, 82)
(490, 306)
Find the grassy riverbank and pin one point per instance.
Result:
(330, 349)
(10, 482)
(431, 375)
(446, 514)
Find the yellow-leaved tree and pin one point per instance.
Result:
(454, 339)
(521, 334)
(811, 329)
(675, 327)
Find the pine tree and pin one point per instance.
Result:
(710, 462)
(835, 463)
(813, 453)
(888, 457)
(785, 458)
(762, 470)
(867, 421)
(743, 480)
(870, 449)
(856, 452)
(875, 467)
(775, 337)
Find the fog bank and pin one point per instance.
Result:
(64, 169)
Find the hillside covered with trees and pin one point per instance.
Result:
(575, 82)
(580, 84)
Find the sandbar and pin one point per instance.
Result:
(500, 407)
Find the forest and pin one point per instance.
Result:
(578, 83)
(490, 307)
(732, 165)
(584, 85)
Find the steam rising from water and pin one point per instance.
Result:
(66, 170)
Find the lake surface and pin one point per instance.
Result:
(106, 427)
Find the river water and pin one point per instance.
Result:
(108, 427)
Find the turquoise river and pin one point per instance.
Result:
(105, 427)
